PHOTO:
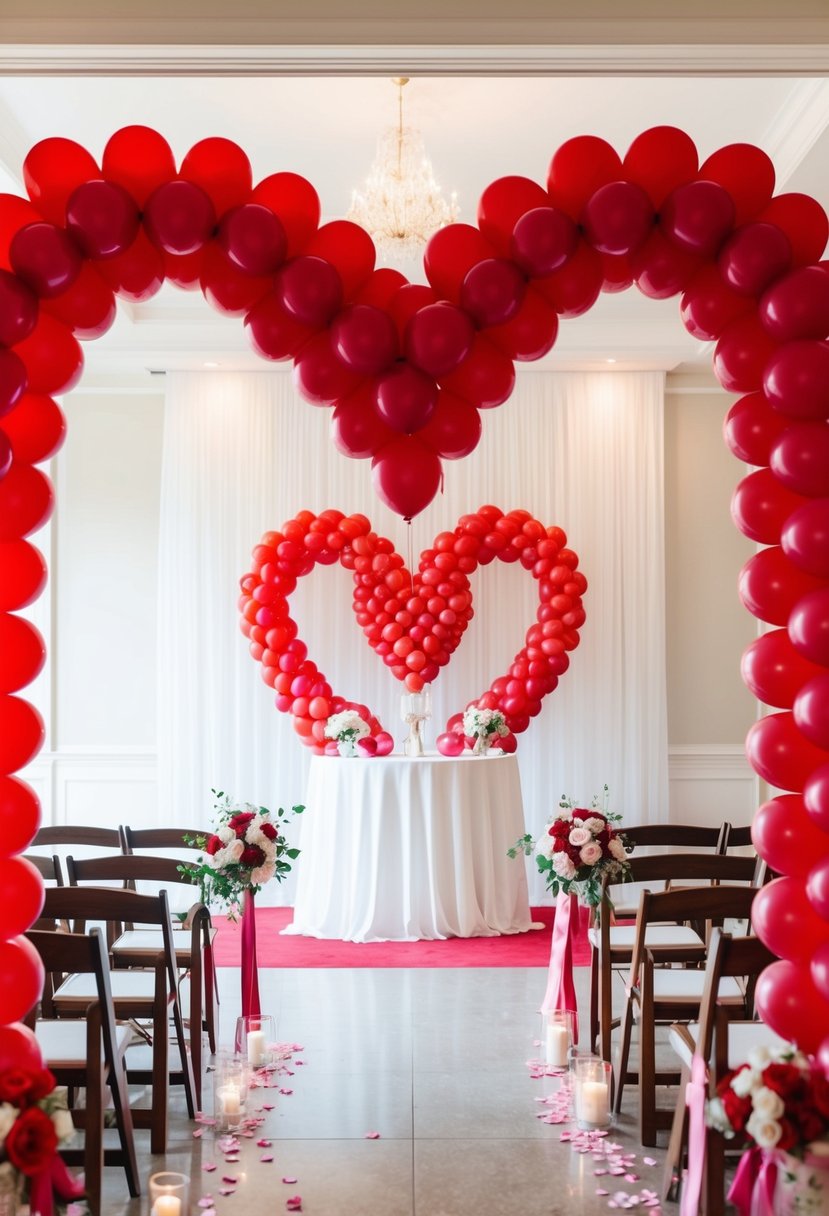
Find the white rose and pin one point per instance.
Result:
(225, 834)
(262, 874)
(767, 1103)
(766, 1132)
(617, 849)
(544, 845)
(716, 1117)
(591, 853)
(64, 1127)
(563, 866)
(578, 837)
(744, 1082)
(758, 1057)
(594, 825)
(566, 814)
(8, 1114)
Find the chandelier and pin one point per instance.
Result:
(401, 204)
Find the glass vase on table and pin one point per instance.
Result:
(415, 709)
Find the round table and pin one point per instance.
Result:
(400, 849)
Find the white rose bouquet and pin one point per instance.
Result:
(482, 724)
(347, 727)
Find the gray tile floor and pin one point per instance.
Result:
(433, 1060)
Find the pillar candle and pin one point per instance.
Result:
(556, 1045)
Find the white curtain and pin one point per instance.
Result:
(242, 454)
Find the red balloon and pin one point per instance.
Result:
(450, 744)
(773, 669)
(407, 301)
(811, 710)
(310, 290)
(405, 398)
(18, 309)
(253, 239)
(742, 354)
(21, 736)
(617, 218)
(18, 1048)
(574, 288)
(19, 816)
(26, 501)
(502, 204)
(45, 258)
(797, 306)
(754, 257)
(805, 537)
(136, 274)
(820, 979)
(799, 457)
(319, 375)
(295, 203)
(23, 891)
(222, 169)
(809, 624)
(804, 222)
(770, 585)
(708, 307)
(697, 217)
(786, 837)
(784, 919)
(140, 160)
(273, 332)
(52, 170)
(438, 339)
(22, 574)
(577, 170)
(385, 743)
(543, 240)
(532, 331)
(486, 378)
(816, 797)
(6, 456)
(406, 475)
(817, 891)
(15, 213)
(747, 174)
(227, 288)
(22, 652)
(356, 429)
(179, 217)
(365, 338)
(21, 979)
(796, 379)
(381, 287)
(13, 380)
(617, 273)
(660, 159)
(780, 753)
(349, 249)
(102, 218)
(87, 308)
(751, 430)
(761, 505)
(53, 358)
(454, 429)
(450, 255)
(660, 270)
(184, 270)
(492, 291)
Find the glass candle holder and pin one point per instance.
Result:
(230, 1092)
(169, 1194)
(591, 1096)
(256, 1039)
(556, 1037)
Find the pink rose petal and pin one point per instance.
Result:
(371, 1136)
(206, 1201)
(290, 1181)
(266, 1157)
(649, 1160)
(294, 1204)
(631, 1177)
(286, 1091)
(227, 1190)
(267, 1106)
(230, 1179)
(599, 1191)
(264, 1143)
(209, 1167)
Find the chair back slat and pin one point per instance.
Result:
(678, 835)
(125, 867)
(160, 838)
(79, 834)
(48, 868)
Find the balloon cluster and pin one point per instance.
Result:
(413, 623)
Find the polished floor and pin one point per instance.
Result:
(435, 1061)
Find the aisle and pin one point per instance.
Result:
(433, 1060)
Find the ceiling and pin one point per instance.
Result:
(475, 128)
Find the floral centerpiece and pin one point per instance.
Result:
(346, 728)
(778, 1101)
(246, 850)
(34, 1122)
(578, 848)
(482, 725)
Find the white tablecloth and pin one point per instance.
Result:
(395, 849)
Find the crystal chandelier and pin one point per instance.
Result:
(401, 205)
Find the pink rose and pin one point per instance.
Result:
(591, 853)
(578, 837)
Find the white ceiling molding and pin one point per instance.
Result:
(797, 127)
(699, 59)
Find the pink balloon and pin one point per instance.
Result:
(385, 743)
(450, 743)
(331, 748)
(367, 746)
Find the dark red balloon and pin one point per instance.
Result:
(221, 169)
(752, 428)
(808, 623)
(13, 380)
(405, 398)
(492, 291)
(406, 475)
(786, 837)
(19, 816)
(26, 500)
(799, 457)
(310, 290)
(454, 430)
(136, 274)
(295, 203)
(365, 338)
(21, 738)
(708, 307)
(773, 669)
(450, 254)
(816, 797)
(617, 218)
(438, 339)
(140, 160)
(227, 288)
(530, 333)
(742, 354)
(273, 332)
(319, 375)
(18, 309)
(660, 159)
(22, 652)
(660, 270)
(53, 358)
(780, 753)
(22, 574)
(804, 222)
(87, 308)
(796, 380)
(45, 258)
(747, 174)
(179, 217)
(543, 240)
(811, 710)
(52, 170)
(761, 505)
(805, 537)
(754, 257)
(574, 288)
(102, 218)
(797, 306)
(770, 586)
(501, 206)
(486, 378)
(697, 217)
(817, 892)
(253, 239)
(349, 249)
(577, 170)
(356, 429)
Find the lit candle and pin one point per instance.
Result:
(256, 1048)
(591, 1103)
(557, 1044)
(229, 1100)
(167, 1205)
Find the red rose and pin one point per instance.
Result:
(20, 1087)
(560, 829)
(31, 1141)
(43, 1083)
(561, 846)
(811, 1125)
(213, 845)
(239, 822)
(786, 1080)
(737, 1110)
(269, 830)
(820, 1093)
(252, 856)
(788, 1136)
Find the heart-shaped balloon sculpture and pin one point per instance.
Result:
(413, 622)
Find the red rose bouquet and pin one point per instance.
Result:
(34, 1120)
(778, 1099)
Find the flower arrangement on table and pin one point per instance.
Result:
(347, 728)
(779, 1102)
(246, 850)
(483, 725)
(578, 848)
(34, 1122)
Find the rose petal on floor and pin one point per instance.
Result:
(290, 1181)
(371, 1136)
(294, 1204)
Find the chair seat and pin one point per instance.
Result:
(622, 937)
(125, 985)
(151, 941)
(680, 986)
(743, 1037)
(63, 1043)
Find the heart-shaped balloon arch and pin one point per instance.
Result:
(407, 369)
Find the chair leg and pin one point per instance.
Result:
(184, 1056)
(123, 1115)
(624, 1054)
(606, 1010)
(647, 1062)
(211, 996)
(161, 1070)
(196, 1027)
(594, 997)
(676, 1145)
(713, 1184)
(93, 1146)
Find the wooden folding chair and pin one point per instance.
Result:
(660, 993)
(735, 957)
(48, 868)
(667, 839)
(89, 1053)
(138, 947)
(149, 996)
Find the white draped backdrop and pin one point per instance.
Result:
(242, 454)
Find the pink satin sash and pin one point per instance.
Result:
(561, 988)
(752, 1191)
(695, 1102)
(55, 1179)
(250, 970)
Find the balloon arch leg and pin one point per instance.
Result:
(407, 369)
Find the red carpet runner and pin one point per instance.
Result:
(515, 950)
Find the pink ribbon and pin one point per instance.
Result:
(561, 988)
(250, 970)
(54, 1179)
(695, 1102)
(752, 1191)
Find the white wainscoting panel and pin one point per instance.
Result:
(712, 782)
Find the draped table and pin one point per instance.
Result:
(400, 849)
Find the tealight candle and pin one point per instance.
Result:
(257, 1050)
(169, 1194)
